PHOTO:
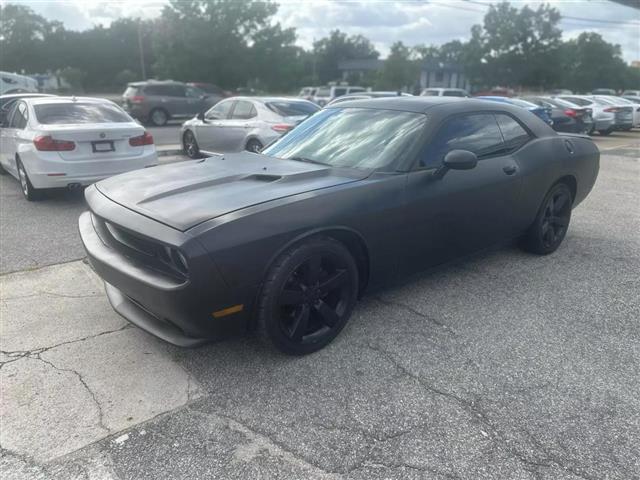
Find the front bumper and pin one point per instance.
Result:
(177, 310)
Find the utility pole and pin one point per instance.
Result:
(144, 71)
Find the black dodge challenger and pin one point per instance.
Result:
(354, 197)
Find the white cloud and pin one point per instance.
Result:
(383, 22)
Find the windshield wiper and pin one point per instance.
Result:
(307, 160)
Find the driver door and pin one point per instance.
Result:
(210, 131)
(464, 210)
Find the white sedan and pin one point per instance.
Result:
(68, 142)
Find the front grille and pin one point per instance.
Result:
(140, 249)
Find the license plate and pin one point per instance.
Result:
(103, 146)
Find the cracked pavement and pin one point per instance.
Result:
(501, 366)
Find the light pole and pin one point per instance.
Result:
(144, 71)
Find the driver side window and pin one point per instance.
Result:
(219, 111)
(477, 133)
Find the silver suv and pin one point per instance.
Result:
(158, 102)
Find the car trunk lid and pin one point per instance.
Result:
(184, 194)
(97, 141)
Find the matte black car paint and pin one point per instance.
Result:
(232, 217)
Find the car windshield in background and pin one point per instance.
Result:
(360, 138)
(64, 113)
(293, 109)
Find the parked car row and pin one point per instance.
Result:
(68, 142)
(584, 114)
(324, 95)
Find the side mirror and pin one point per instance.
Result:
(200, 116)
(460, 160)
(457, 160)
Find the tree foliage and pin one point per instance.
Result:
(237, 43)
(330, 51)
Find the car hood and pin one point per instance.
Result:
(184, 194)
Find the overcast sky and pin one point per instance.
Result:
(383, 22)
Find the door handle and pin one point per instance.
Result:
(510, 169)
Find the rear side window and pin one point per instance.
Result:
(478, 133)
(430, 93)
(244, 110)
(130, 91)
(514, 134)
(72, 113)
(165, 90)
(293, 109)
(19, 119)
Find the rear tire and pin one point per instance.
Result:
(552, 222)
(606, 132)
(254, 146)
(308, 296)
(30, 193)
(158, 117)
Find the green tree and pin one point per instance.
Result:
(25, 37)
(590, 62)
(518, 47)
(400, 71)
(331, 50)
(209, 40)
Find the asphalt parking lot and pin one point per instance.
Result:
(503, 366)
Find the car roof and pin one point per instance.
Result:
(419, 104)
(270, 99)
(65, 100)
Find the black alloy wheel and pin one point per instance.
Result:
(190, 145)
(551, 224)
(254, 146)
(308, 297)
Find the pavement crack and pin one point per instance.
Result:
(394, 303)
(16, 355)
(84, 384)
(492, 431)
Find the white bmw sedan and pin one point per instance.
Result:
(68, 142)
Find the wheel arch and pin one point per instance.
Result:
(571, 182)
(353, 241)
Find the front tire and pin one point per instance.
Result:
(308, 296)
(190, 145)
(30, 193)
(606, 132)
(551, 223)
